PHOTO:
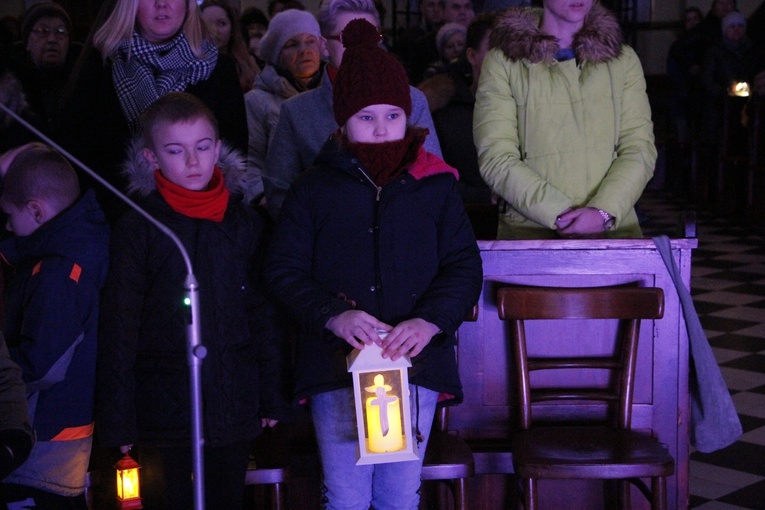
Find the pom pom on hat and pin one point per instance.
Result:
(368, 74)
(359, 32)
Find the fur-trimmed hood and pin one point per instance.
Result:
(517, 34)
(139, 172)
(12, 96)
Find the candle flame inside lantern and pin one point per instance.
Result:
(383, 418)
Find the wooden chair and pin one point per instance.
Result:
(610, 451)
(448, 458)
(269, 465)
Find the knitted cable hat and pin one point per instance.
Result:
(368, 74)
(43, 10)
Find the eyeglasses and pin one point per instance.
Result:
(339, 37)
(58, 33)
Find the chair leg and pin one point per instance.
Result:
(530, 496)
(625, 499)
(458, 488)
(659, 493)
(277, 497)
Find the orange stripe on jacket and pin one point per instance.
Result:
(72, 433)
(75, 273)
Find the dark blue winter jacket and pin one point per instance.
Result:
(400, 251)
(51, 320)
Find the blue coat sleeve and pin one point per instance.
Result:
(57, 306)
(289, 264)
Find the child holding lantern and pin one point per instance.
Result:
(373, 239)
(183, 175)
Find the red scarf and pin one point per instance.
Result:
(209, 204)
(386, 161)
(331, 73)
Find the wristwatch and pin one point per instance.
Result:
(608, 220)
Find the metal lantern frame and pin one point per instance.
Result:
(374, 400)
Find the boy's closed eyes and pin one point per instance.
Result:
(185, 153)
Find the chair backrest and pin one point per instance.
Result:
(629, 305)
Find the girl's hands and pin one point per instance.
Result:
(408, 337)
(357, 328)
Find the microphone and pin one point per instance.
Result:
(195, 350)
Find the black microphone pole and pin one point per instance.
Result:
(195, 351)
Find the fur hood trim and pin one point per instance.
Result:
(439, 90)
(139, 173)
(517, 34)
(12, 95)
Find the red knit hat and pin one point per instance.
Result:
(368, 74)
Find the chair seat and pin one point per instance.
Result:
(447, 457)
(270, 457)
(492, 455)
(589, 452)
(262, 475)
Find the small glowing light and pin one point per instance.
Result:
(383, 414)
(128, 485)
(740, 89)
(383, 418)
(187, 301)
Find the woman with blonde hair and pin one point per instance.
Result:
(142, 50)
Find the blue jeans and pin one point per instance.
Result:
(392, 486)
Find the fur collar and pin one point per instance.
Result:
(12, 94)
(270, 81)
(517, 35)
(140, 173)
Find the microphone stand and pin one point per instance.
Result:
(195, 351)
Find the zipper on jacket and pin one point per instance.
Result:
(378, 188)
(617, 113)
(376, 228)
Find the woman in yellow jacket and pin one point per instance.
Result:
(562, 123)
